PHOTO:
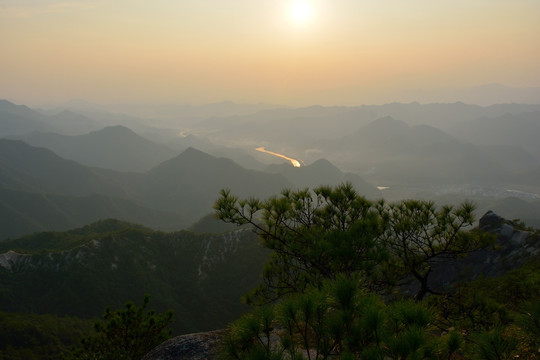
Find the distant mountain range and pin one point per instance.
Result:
(521, 130)
(190, 183)
(19, 119)
(180, 190)
(27, 168)
(301, 126)
(168, 179)
(113, 147)
(64, 174)
(173, 194)
(484, 95)
(390, 151)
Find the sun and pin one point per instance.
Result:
(300, 12)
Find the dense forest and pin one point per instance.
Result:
(343, 277)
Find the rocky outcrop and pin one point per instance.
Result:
(200, 346)
(9, 259)
(512, 248)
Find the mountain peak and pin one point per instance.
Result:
(115, 134)
(386, 125)
(323, 164)
(193, 154)
(388, 121)
(116, 129)
(189, 157)
(191, 151)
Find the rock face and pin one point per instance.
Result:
(508, 236)
(512, 248)
(200, 346)
(201, 277)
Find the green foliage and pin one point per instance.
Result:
(127, 333)
(530, 321)
(331, 248)
(53, 241)
(418, 235)
(499, 315)
(494, 345)
(36, 336)
(107, 263)
(338, 320)
(313, 236)
(452, 343)
(333, 230)
(518, 224)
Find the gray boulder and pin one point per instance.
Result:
(199, 346)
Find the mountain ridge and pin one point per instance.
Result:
(200, 277)
(112, 147)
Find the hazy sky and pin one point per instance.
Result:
(198, 51)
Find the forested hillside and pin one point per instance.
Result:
(81, 272)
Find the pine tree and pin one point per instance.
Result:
(126, 334)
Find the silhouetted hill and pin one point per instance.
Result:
(113, 147)
(19, 119)
(239, 156)
(445, 115)
(44, 191)
(67, 122)
(390, 151)
(27, 168)
(323, 172)
(389, 137)
(299, 127)
(509, 129)
(24, 212)
(190, 183)
(181, 143)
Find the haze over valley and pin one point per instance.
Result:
(163, 148)
(169, 177)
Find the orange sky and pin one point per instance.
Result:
(347, 52)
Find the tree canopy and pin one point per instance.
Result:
(314, 235)
(126, 334)
(331, 231)
(334, 253)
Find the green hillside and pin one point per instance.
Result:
(40, 336)
(81, 272)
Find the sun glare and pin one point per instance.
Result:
(300, 12)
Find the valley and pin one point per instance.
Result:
(269, 180)
(94, 213)
(160, 179)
